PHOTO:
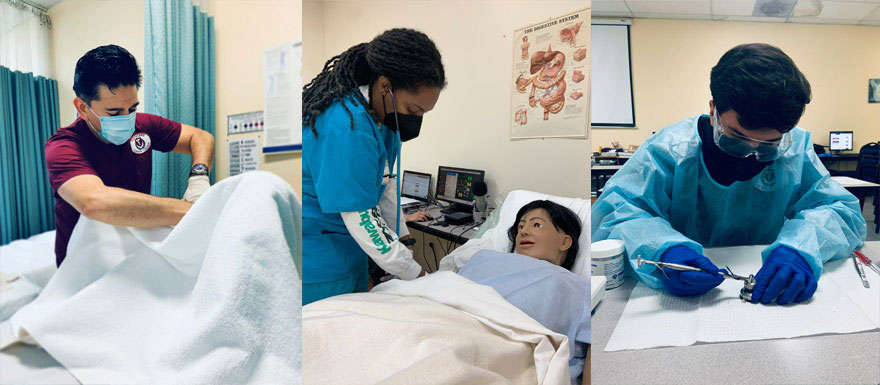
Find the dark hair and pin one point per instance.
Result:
(762, 84)
(408, 58)
(110, 65)
(563, 219)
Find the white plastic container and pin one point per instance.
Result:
(606, 259)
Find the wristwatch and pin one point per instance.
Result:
(198, 169)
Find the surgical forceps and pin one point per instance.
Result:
(748, 282)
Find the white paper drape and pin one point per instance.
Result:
(24, 39)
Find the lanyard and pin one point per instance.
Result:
(399, 150)
(397, 179)
(397, 183)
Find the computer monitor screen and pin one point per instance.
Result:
(841, 140)
(456, 185)
(416, 185)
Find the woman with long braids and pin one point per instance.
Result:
(356, 113)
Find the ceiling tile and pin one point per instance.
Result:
(46, 3)
(692, 7)
(732, 7)
(610, 8)
(873, 15)
(845, 10)
(650, 15)
(816, 20)
(757, 19)
(773, 8)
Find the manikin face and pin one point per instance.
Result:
(538, 238)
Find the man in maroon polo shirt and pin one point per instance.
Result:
(100, 166)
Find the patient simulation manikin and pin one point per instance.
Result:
(537, 237)
(536, 278)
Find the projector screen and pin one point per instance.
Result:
(611, 76)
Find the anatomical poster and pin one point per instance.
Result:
(550, 82)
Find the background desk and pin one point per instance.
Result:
(825, 359)
(844, 161)
(863, 189)
(617, 159)
(859, 188)
(444, 238)
(853, 183)
(599, 174)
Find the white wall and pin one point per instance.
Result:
(81, 25)
(242, 28)
(469, 126)
(672, 59)
(313, 40)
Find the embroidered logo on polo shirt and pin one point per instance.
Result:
(140, 143)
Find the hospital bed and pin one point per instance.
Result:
(328, 322)
(493, 233)
(33, 260)
(214, 299)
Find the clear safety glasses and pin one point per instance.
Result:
(740, 146)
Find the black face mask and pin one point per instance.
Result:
(407, 124)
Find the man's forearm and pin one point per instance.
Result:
(122, 207)
(202, 149)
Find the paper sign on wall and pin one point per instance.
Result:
(244, 155)
(282, 98)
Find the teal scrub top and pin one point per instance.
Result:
(342, 171)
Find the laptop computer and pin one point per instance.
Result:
(415, 188)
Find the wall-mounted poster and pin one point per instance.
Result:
(551, 82)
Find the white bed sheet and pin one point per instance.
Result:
(213, 300)
(33, 257)
(29, 255)
(31, 365)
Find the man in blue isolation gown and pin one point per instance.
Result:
(742, 175)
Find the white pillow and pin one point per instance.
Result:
(496, 238)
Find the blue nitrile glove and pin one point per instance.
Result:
(688, 283)
(786, 275)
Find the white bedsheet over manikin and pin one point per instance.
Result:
(216, 299)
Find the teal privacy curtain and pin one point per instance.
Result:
(178, 81)
(28, 117)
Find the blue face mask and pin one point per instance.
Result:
(115, 129)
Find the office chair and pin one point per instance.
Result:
(868, 169)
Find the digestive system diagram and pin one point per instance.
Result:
(569, 34)
(521, 117)
(547, 81)
(547, 75)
